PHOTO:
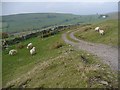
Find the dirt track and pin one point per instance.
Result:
(107, 53)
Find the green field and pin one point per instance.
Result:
(56, 64)
(55, 67)
(110, 37)
(37, 21)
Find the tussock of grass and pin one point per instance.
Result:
(20, 46)
(57, 45)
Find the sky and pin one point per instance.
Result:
(59, 0)
(78, 7)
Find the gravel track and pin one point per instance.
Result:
(106, 53)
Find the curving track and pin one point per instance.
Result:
(107, 53)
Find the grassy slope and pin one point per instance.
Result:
(26, 22)
(111, 33)
(57, 74)
(24, 58)
(66, 71)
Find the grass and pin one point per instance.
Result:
(54, 67)
(24, 59)
(75, 28)
(111, 33)
(68, 71)
(69, 38)
(37, 21)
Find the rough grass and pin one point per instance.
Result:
(20, 62)
(57, 45)
(20, 46)
(75, 29)
(110, 37)
(69, 38)
(67, 71)
(62, 67)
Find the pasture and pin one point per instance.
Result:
(37, 21)
(23, 58)
(110, 37)
(57, 64)
(54, 67)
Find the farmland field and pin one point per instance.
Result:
(61, 67)
(57, 64)
(37, 21)
(111, 33)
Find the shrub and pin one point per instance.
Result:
(20, 46)
(87, 28)
(57, 45)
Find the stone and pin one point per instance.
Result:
(104, 82)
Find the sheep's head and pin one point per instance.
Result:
(33, 48)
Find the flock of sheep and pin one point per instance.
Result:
(29, 46)
(99, 30)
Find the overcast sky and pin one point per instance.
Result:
(79, 8)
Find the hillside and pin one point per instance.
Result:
(57, 64)
(110, 37)
(36, 21)
(104, 46)
(54, 67)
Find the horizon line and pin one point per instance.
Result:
(56, 13)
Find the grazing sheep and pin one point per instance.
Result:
(12, 52)
(29, 46)
(101, 32)
(32, 51)
(97, 28)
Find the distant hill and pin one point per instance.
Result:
(37, 21)
(113, 15)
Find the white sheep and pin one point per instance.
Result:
(29, 46)
(12, 52)
(101, 32)
(32, 51)
(97, 28)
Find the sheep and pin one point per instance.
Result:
(29, 46)
(101, 32)
(33, 51)
(12, 52)
(97, 28)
